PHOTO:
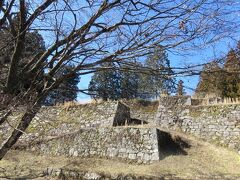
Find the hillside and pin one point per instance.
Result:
(127, 140)
(201, 161)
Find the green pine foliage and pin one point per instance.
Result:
(34, 45)
(67, 91)
(134, 80)
(180, 88)
(232, 75)
(221, 81)
(105, 84)
(211, 80)
(129, 83)
(160, 77)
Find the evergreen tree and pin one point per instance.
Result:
(224, 82)
(159, 80)
(67, 91)
(180, 88)
(232, 78)
(105, 84)
(238, 71)
(129, 84)
(211, 80)
(115, 83)
(34, 45)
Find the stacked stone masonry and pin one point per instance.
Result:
(143, 110)
(56, 121)
(88, 130)
(136, 144)
(99, 129)
(219, 124)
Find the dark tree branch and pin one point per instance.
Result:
(5, 116)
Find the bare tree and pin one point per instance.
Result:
(88, 33)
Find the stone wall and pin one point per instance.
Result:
(135, 144)
(93, 130)
(53, 121)
(142, 110)
(219, 124)
(173, 101)
(90, 130)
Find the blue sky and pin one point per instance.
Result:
(84, 85)
(200, 57)
(195, 57)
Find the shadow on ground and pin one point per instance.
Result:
(171, 144)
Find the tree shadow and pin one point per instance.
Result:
(147, 102)
(134, 121)
(131, 122)
(171, 145)
(24, 177)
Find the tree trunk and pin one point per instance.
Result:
(5, 116)
(12, 79)
(22, 126)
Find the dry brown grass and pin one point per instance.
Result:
(203, 161)
(142, 105)
(73, 104)
(136, 104)
(67, 105)
(224, 101)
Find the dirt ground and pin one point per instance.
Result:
(201, 161)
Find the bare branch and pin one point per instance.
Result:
(5, 116)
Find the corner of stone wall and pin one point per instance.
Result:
(170, 111)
